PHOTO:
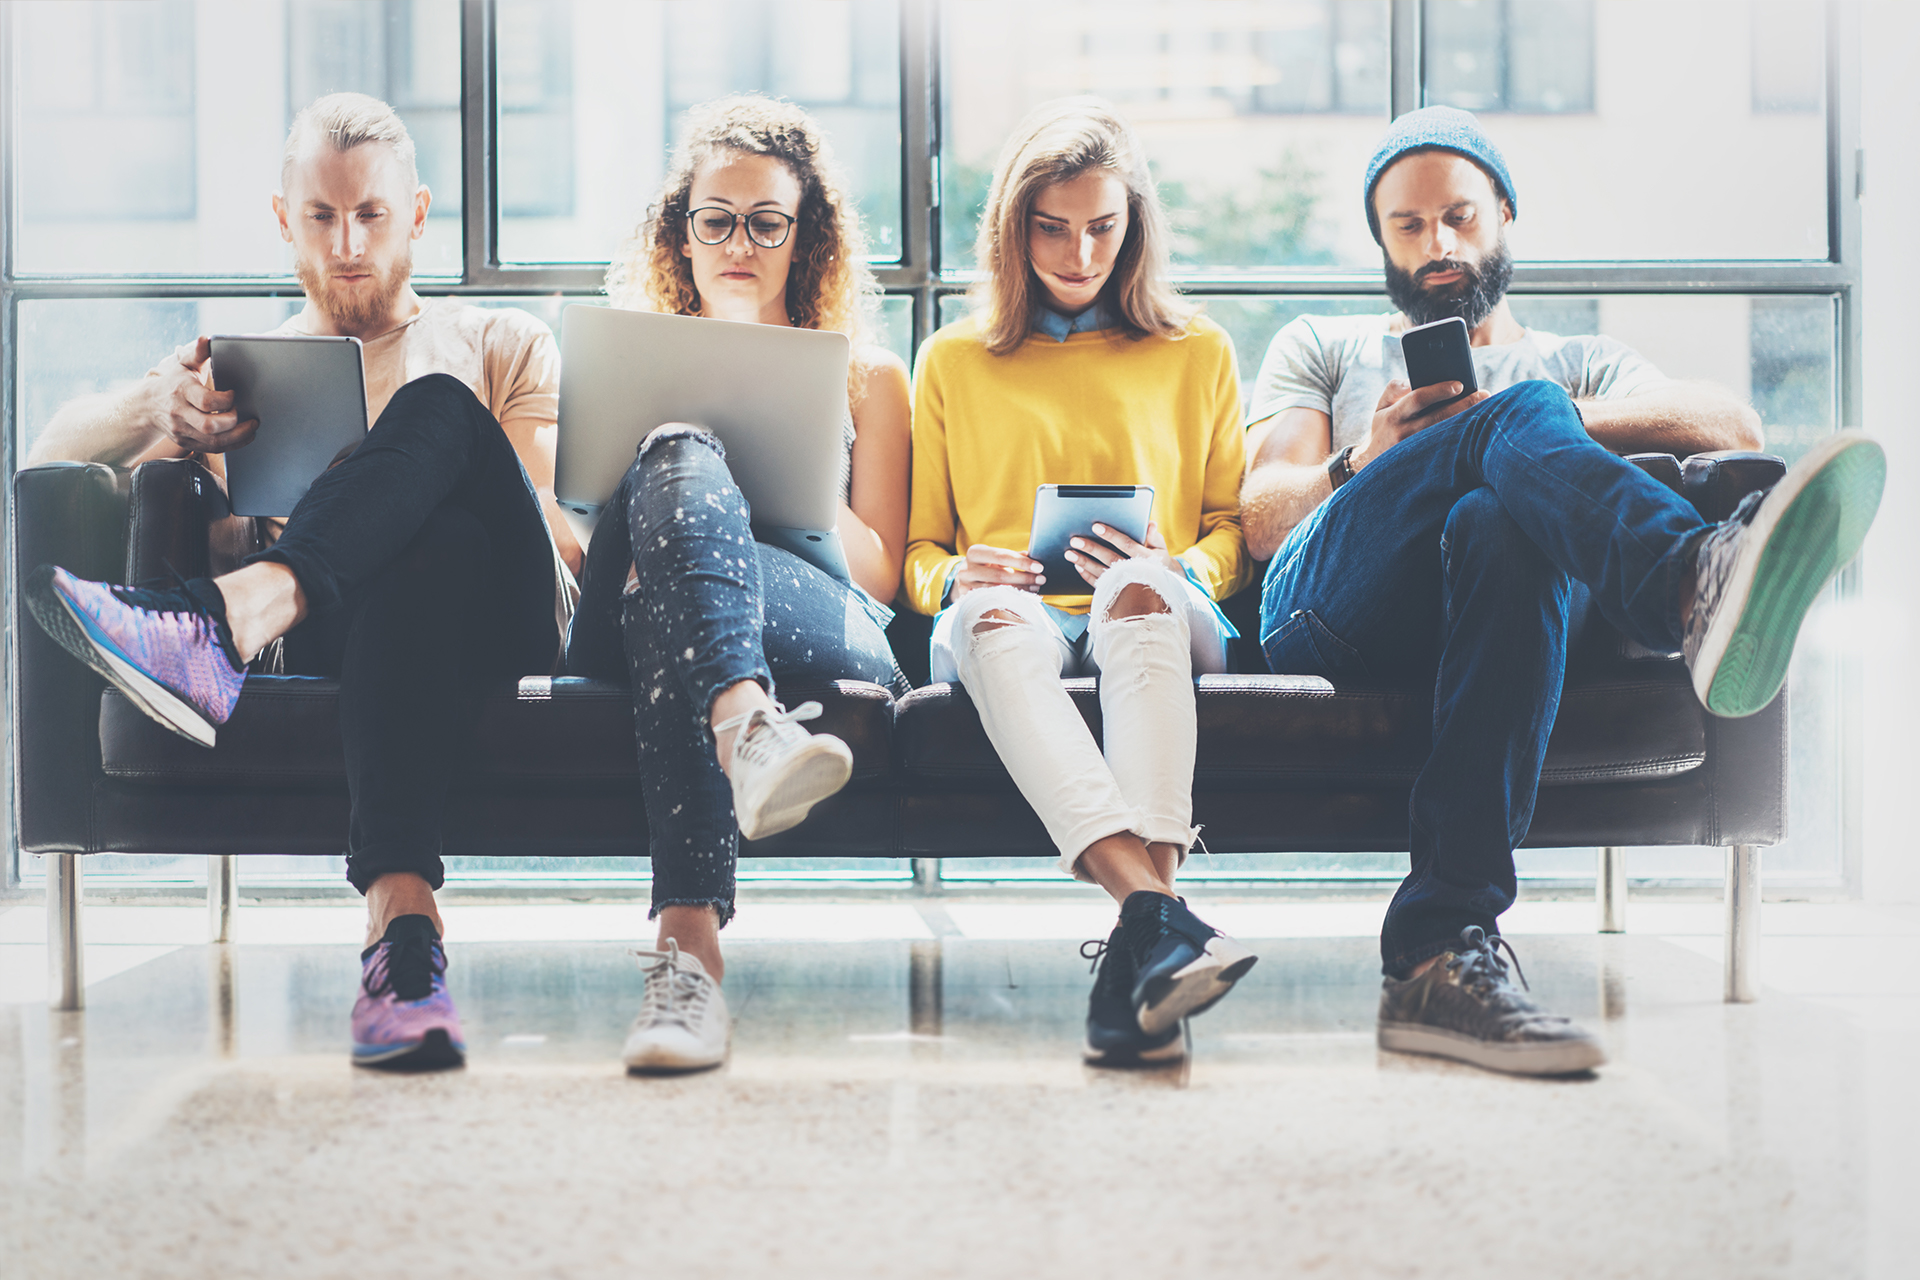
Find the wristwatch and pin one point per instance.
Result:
(1340, 467)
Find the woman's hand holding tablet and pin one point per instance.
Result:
(996, 567)
(1094, 556)
(1079, 529)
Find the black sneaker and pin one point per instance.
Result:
(1464, 1007)
(1182, 964)
(1114, 1037)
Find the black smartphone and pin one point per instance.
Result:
(1440, 352)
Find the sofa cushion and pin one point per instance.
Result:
(1262, 732)
(286, 730)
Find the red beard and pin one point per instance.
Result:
(358, 309)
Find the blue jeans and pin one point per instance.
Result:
(1449, 563)
(711, 608)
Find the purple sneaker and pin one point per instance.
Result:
(162, 646)
(404, 1019)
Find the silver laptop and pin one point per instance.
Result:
(776, 397)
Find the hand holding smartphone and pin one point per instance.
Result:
(1440, 352)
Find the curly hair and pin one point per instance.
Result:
(1057, 142)
(829, 285)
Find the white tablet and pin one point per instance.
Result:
(310, 395)
(1065, 511)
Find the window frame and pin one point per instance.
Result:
(917, 275)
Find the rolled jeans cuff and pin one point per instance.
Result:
(367, 865)
(1150, 830)
(722, 907)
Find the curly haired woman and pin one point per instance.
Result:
(753, 225)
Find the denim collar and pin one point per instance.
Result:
(1058, 327)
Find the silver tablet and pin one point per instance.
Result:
(1065, 511)
(310, 395)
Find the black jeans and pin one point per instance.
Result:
(428, 570)
(712, 608)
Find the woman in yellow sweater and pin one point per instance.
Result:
(1080, 365)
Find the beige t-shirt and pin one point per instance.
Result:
(506, 356)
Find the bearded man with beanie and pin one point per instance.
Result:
(1447, 543)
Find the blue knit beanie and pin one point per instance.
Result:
(1443, 129)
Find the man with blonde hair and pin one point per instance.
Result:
(415, 568)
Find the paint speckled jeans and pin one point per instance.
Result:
(711, 608)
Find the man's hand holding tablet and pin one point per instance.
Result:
(187, 411)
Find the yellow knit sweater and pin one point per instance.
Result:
(1099, 408)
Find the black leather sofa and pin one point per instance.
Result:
(1286, 763)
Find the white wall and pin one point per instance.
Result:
(1890, 129)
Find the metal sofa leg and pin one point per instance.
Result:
(223, 895)
(926, 876)
(1743, 922)
(66, 962)
(1610, 889)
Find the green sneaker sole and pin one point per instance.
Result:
(1817, 534)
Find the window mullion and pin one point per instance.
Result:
(920, 148)
(1406, 52)
(480, 249)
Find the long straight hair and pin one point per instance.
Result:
(1058, 142)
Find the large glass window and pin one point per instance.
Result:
(592, 92)
(150, 133)
(1646, 129)
(1258, 117)
(1647, 138)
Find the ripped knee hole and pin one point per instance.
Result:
(998, 620)
(1136, 600)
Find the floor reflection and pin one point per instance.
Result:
(926, 1094)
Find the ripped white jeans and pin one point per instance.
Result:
(1144, 782)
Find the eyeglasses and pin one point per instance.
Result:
(765, 227)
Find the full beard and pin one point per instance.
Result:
(1472, 300)
(356, 310)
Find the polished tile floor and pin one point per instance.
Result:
(905, 1099)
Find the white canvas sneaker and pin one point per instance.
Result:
(779, 771)
(683, 1023)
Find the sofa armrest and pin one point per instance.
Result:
(178, 519)
(1715, 482)
(1663, 467)
(73, 515)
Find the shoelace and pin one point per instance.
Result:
(673, 994)
(1099, 946)
(759, 748)
(1480, 966)
(405, 967)
(165, 596)
(1744, 510)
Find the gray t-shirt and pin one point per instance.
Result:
(1340, 365)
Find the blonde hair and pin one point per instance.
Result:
(345, 121)
(828, 286)
(1058, 142)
